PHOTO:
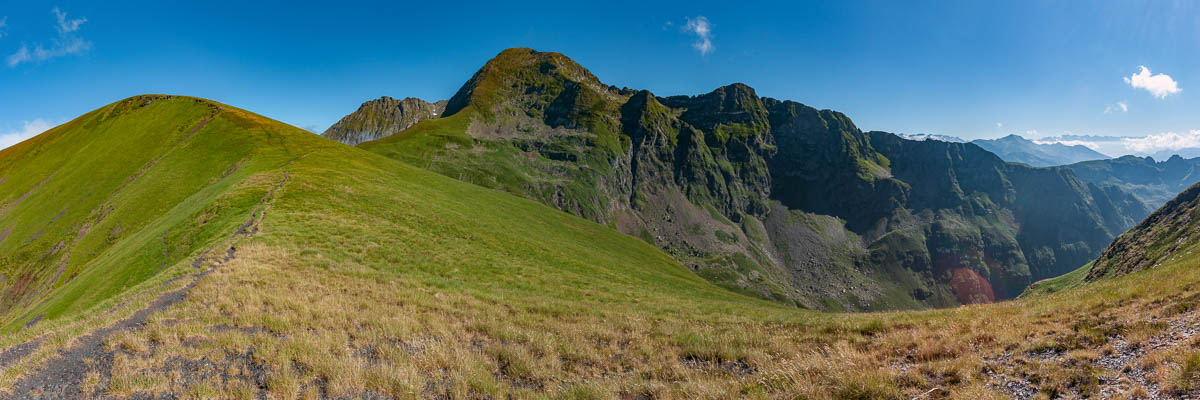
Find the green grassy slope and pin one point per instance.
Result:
(1057, 284)
(143, 188)
(104, 202)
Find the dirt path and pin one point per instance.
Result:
(63, 377)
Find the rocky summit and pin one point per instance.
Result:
(381, 118)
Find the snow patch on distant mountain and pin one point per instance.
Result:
(929, 136)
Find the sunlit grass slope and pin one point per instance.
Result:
(368, 276)
(112, 198)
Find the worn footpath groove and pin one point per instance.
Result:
(1122, 364)
(63, 377)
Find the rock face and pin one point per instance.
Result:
(381, 118)
(1172, 229)
(767, 197)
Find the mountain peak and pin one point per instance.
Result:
(517, 72)
(381, 118)
(737, 88)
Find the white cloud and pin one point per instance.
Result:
(703, 31)
(1119, 106)
(1031, 132)
(999, 125)
(1163, 141)
(1159, 85)
(64, 25)
(3, 24)
(68, 42)
(28, 130)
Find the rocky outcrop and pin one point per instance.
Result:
(381, 118)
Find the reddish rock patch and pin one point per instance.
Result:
(970, 288)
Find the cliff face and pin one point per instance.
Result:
(381, 118)
(771, 198)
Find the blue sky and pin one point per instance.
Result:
(972, 69)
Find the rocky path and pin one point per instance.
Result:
(1124, 358)
(1121, 374)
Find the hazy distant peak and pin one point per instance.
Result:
(932, 136)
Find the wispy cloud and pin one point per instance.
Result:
(67, 42)
(1163, 141)
(703, 31)
(65, 25)
(1160, 85)
(1119, 106)
(28, 130)
(3, 26)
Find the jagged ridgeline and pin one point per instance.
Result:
(767, 197)
(1153, 182)
(382, 117)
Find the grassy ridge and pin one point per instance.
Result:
(373, 276)
(104, 202)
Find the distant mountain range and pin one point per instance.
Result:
(1161, 146)
(1068, 149)
(1153, 182)
(1014, 148)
